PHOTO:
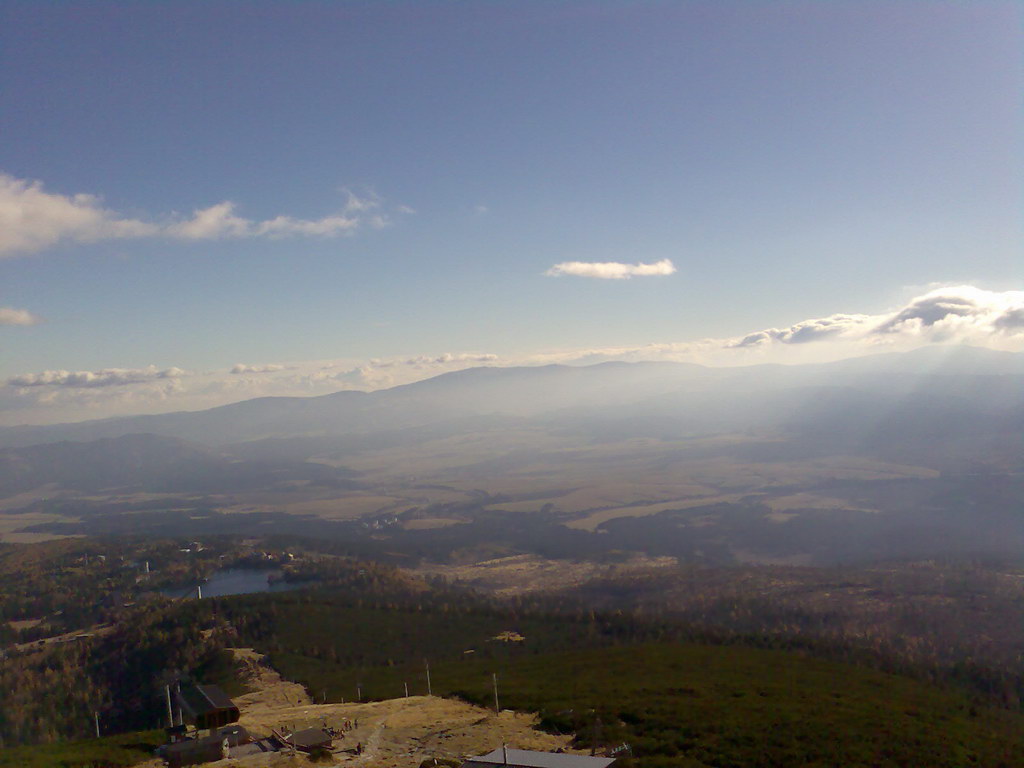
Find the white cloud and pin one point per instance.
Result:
(217, 221)
(611, 270)
(958, 310)
(32, 219)
(958, 313)
(107, 377)
(449, 358)
(240, 368)
(377, 373)
(12, 316)
(805, 331)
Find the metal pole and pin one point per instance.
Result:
(170, 712)
(406, 690)
(428, 677)
(494, 679)
(96, 718)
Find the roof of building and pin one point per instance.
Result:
(203, 744)
(216, 696)
(310, 737)
(530, 759)
(205, 698)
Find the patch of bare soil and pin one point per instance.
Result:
(267, 689)
(521, 574)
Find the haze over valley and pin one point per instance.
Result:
(901, 455)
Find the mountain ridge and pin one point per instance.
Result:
(529, 391)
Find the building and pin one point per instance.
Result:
(310, 739)
(207, 706)
(219, 744)
(195, 751)
(524, 758)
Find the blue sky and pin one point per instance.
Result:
(436, 160)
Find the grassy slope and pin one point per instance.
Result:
(111, 752)
(722, 706)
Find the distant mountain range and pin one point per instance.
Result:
(927, 386)
(935, 406)
(918, 453)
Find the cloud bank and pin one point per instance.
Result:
(960, 314)
(12, 316)
(107, 377)
(611, 270)
(33, 219)
(377, 373)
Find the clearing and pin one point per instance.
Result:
(395, 733)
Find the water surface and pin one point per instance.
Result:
(236, 581)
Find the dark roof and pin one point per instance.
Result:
(204, 744)
(201, 699)
(530, 759)
(216, 696)
(310, 737)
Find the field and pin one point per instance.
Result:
(524, 490)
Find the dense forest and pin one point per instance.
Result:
(639, 660)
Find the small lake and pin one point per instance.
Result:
(236, 581)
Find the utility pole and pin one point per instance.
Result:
(494, 679)
(427, 663)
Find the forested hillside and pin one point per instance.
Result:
(716, 681)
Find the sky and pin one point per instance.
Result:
(202, 202)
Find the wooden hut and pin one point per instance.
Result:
(310, 739)
(207, 706)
